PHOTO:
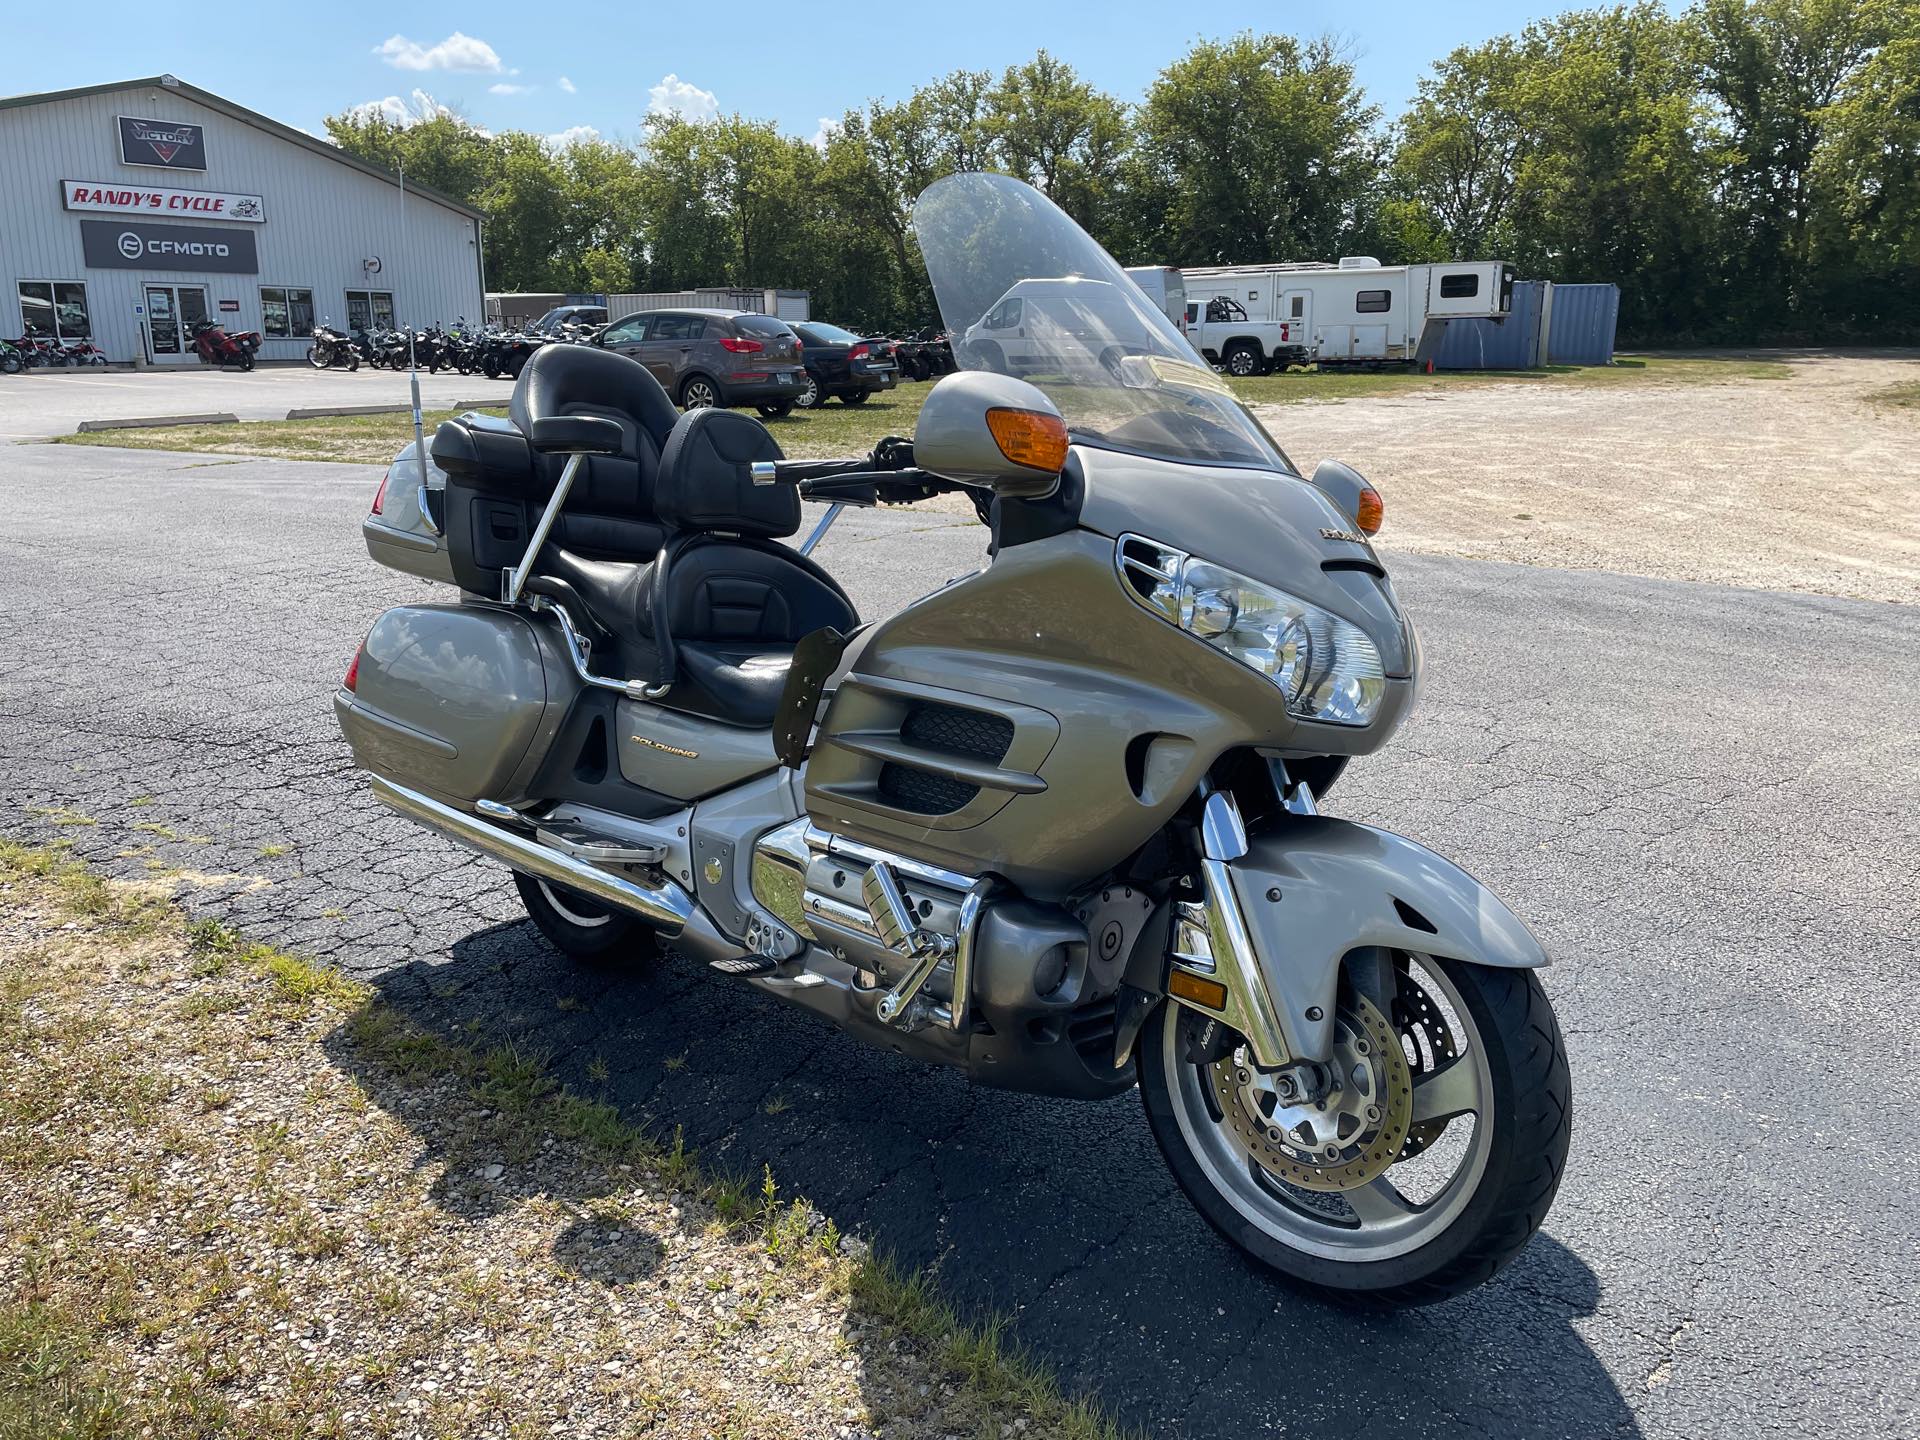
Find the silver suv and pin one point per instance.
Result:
(715, 357)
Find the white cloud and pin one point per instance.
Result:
(456, 52)
(674, 96)
(505, 87)
(572, 135)
(404, 113)
(567, 85)
(820, 136)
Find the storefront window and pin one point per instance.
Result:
(285, 313)
(369, 310)
(54, 310)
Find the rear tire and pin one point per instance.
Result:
(699, 393)
(777, 410)
(1455, 1241)
(581, 927)
(1243, 360)
(855, 397)
(246, 362)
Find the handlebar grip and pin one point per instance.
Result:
(792, 472)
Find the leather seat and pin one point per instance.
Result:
(496, 484)
(717, 613)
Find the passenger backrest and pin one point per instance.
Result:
(496, 485)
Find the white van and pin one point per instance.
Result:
(1065, 321)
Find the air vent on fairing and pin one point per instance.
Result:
(954, 730)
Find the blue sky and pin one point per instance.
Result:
(553, 67)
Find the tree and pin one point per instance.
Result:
(1059, 134)
(1461, 147)
(1255, 148)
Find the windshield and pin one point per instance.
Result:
(1025, 291)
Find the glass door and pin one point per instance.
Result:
(163, 324)
(172, 313)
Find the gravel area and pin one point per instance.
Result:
(1803, 483)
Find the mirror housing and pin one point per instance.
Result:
(954, 439)
(576, 435)
(1352, 492)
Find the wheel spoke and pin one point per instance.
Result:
(1449, 1091)
(1378, 1203)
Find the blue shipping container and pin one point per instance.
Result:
(1576, 322)
(1580, 324)
(1509, 344)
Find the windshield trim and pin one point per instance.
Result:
(1094, 441)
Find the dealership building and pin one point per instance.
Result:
(134, 212)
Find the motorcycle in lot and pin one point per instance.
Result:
(84, 352)
(12, 362)
(229, 349)
(331, 347)
(1057, 823)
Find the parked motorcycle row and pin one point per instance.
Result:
(36, 352)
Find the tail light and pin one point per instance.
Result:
(740, 346)
(859, 352)
(352, 682)
(380, 500)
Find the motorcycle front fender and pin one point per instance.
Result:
(1316, 889)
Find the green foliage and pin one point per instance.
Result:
(1744, 170)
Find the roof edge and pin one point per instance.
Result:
(246, 116)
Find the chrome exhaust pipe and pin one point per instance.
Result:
(664, 906)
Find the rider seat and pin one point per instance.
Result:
(716, 615)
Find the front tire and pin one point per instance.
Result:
(855, 397)
(779, 409)
(1480, 1046)
(582, 927)
(810, 398)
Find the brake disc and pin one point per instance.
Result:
(1344, 1140)
(1419, 1020)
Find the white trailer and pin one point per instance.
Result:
(1248, 319)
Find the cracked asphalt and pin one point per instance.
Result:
(1706, 800)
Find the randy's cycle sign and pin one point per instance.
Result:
(127, 245)
(164, 144)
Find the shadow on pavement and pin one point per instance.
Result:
(1058, 1213)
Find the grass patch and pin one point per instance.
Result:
(1905, 396)
(353, 439)
(307, 1204)
(837, 429)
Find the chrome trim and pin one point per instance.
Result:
(426, 515)
(959, 1008)
(778, 874)
(893, 919)
(820, 530)
(1230, 958)
(824, 843)
(665, 905)
(764, 472)
(577, 649)
(515, 579)
(494, 810)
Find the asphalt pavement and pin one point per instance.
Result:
(1706, 800)
(38, 403)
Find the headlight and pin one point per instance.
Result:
(1327, 668)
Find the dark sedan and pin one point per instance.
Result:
(842, 363)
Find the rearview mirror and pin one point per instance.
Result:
(992, 430)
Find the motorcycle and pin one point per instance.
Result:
(331, 347)
(12, 362)
(1058, 823)
(216, 345)
(506, 355)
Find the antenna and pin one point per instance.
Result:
(413, 366)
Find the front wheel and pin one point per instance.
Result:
(318, 359)
(811, 398)
(1424, 1162)
(854, 397)
(580, 926)
(246, 361)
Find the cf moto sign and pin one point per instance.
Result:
(127, 245)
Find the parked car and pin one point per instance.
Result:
(842, 363)
(731, 358)
(561, 315)
(1067, 324)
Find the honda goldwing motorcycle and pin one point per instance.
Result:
(1055, 823)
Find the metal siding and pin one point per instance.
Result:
(323, 218)
(1509, 344)
(1584, 318)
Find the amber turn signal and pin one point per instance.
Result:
(1030, 437)
(1210, 993)
(1371, 512)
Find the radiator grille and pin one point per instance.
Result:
(951, 727)
(922, 792)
